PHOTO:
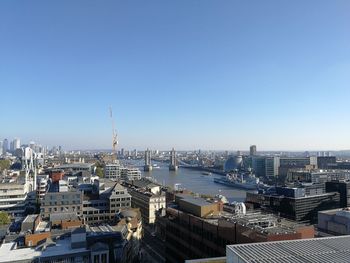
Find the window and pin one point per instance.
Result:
(103, 258)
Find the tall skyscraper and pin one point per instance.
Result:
(1, 147)
(252, 151)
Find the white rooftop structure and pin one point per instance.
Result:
(328, 249)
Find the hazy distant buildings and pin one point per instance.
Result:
(252, 150)
(5, 146)
(324, 162)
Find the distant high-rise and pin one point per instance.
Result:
(5, 146)
(252, 151)
(14, 145)
(148, 165)
(1, 147)
(32, 145)
(173, 162)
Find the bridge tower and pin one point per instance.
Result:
(173, 163)
(148, 164)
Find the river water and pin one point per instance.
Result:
(194, 181)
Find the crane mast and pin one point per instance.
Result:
(114, 136)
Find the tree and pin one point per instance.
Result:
(4, 218)
(4, 164)
(99, 172)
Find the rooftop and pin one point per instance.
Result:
(75, 165)
(195, 201)
(63, 217)
(329, 249)
(30, 218)
(143, 183)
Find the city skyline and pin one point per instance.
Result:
(187, 74)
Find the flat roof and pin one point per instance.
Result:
(74, 165)
(328, 249)
(195, 201)
(30, 218)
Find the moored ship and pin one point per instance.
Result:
(243, 180)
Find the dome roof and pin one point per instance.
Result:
(233, 162)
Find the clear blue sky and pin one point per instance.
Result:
(187, 73)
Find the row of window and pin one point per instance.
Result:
(62, 208)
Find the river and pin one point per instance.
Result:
(194, 181)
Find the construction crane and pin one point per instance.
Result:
(114, 136)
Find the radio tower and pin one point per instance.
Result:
(114, 137)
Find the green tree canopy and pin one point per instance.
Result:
(4, 164)
(99, 172)
(4, 218)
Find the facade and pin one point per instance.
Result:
(106, 205)
(112, 171)
(14, 198)
(317, 175)
(343, 188)
(42, 186)
(188, 235)
(258, 165)
(334, 222)
(76, 167)
(148, 197)
(324, 162)
(130, 173)
(272, 165)
(56, 201)
(299, 204)
(288, 163)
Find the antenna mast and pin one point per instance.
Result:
(114, 136)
